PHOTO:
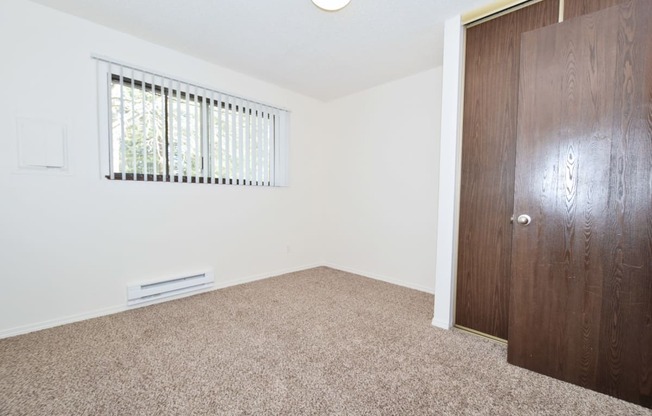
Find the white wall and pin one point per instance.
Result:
(362, 195)
(70, 244)
(381, 181)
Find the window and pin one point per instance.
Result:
(155, 128)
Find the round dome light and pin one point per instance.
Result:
(331, 5)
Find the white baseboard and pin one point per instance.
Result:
(235, 282)
(51, 323)
(24, 329)
(382, 278)
(441, 323)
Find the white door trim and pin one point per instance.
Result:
(449, 173)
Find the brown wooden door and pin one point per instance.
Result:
(581, 286)
(576, 8)
(488, 151)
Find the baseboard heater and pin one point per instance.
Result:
(150, 291)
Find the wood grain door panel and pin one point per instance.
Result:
(581, 285)
(488, 152)
(577, 8)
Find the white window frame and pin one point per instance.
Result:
(279, 129)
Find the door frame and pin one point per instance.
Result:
(450, 163)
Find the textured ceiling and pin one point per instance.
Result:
(290, 43)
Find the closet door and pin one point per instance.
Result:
(581, 286)
(488, 151)
(576, 8)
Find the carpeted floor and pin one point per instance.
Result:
(319, 341)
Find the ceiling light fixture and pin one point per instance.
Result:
(331, 5)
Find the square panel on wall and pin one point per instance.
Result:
(42, 146)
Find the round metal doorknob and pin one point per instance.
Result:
(524, 219)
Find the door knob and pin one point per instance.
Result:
(524, 219)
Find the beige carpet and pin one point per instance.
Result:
(319, 341)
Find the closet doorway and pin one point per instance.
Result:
(490, 110)
(555, 233)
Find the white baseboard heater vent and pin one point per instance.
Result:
(150, 291)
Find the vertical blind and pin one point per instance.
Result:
(158, 128)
